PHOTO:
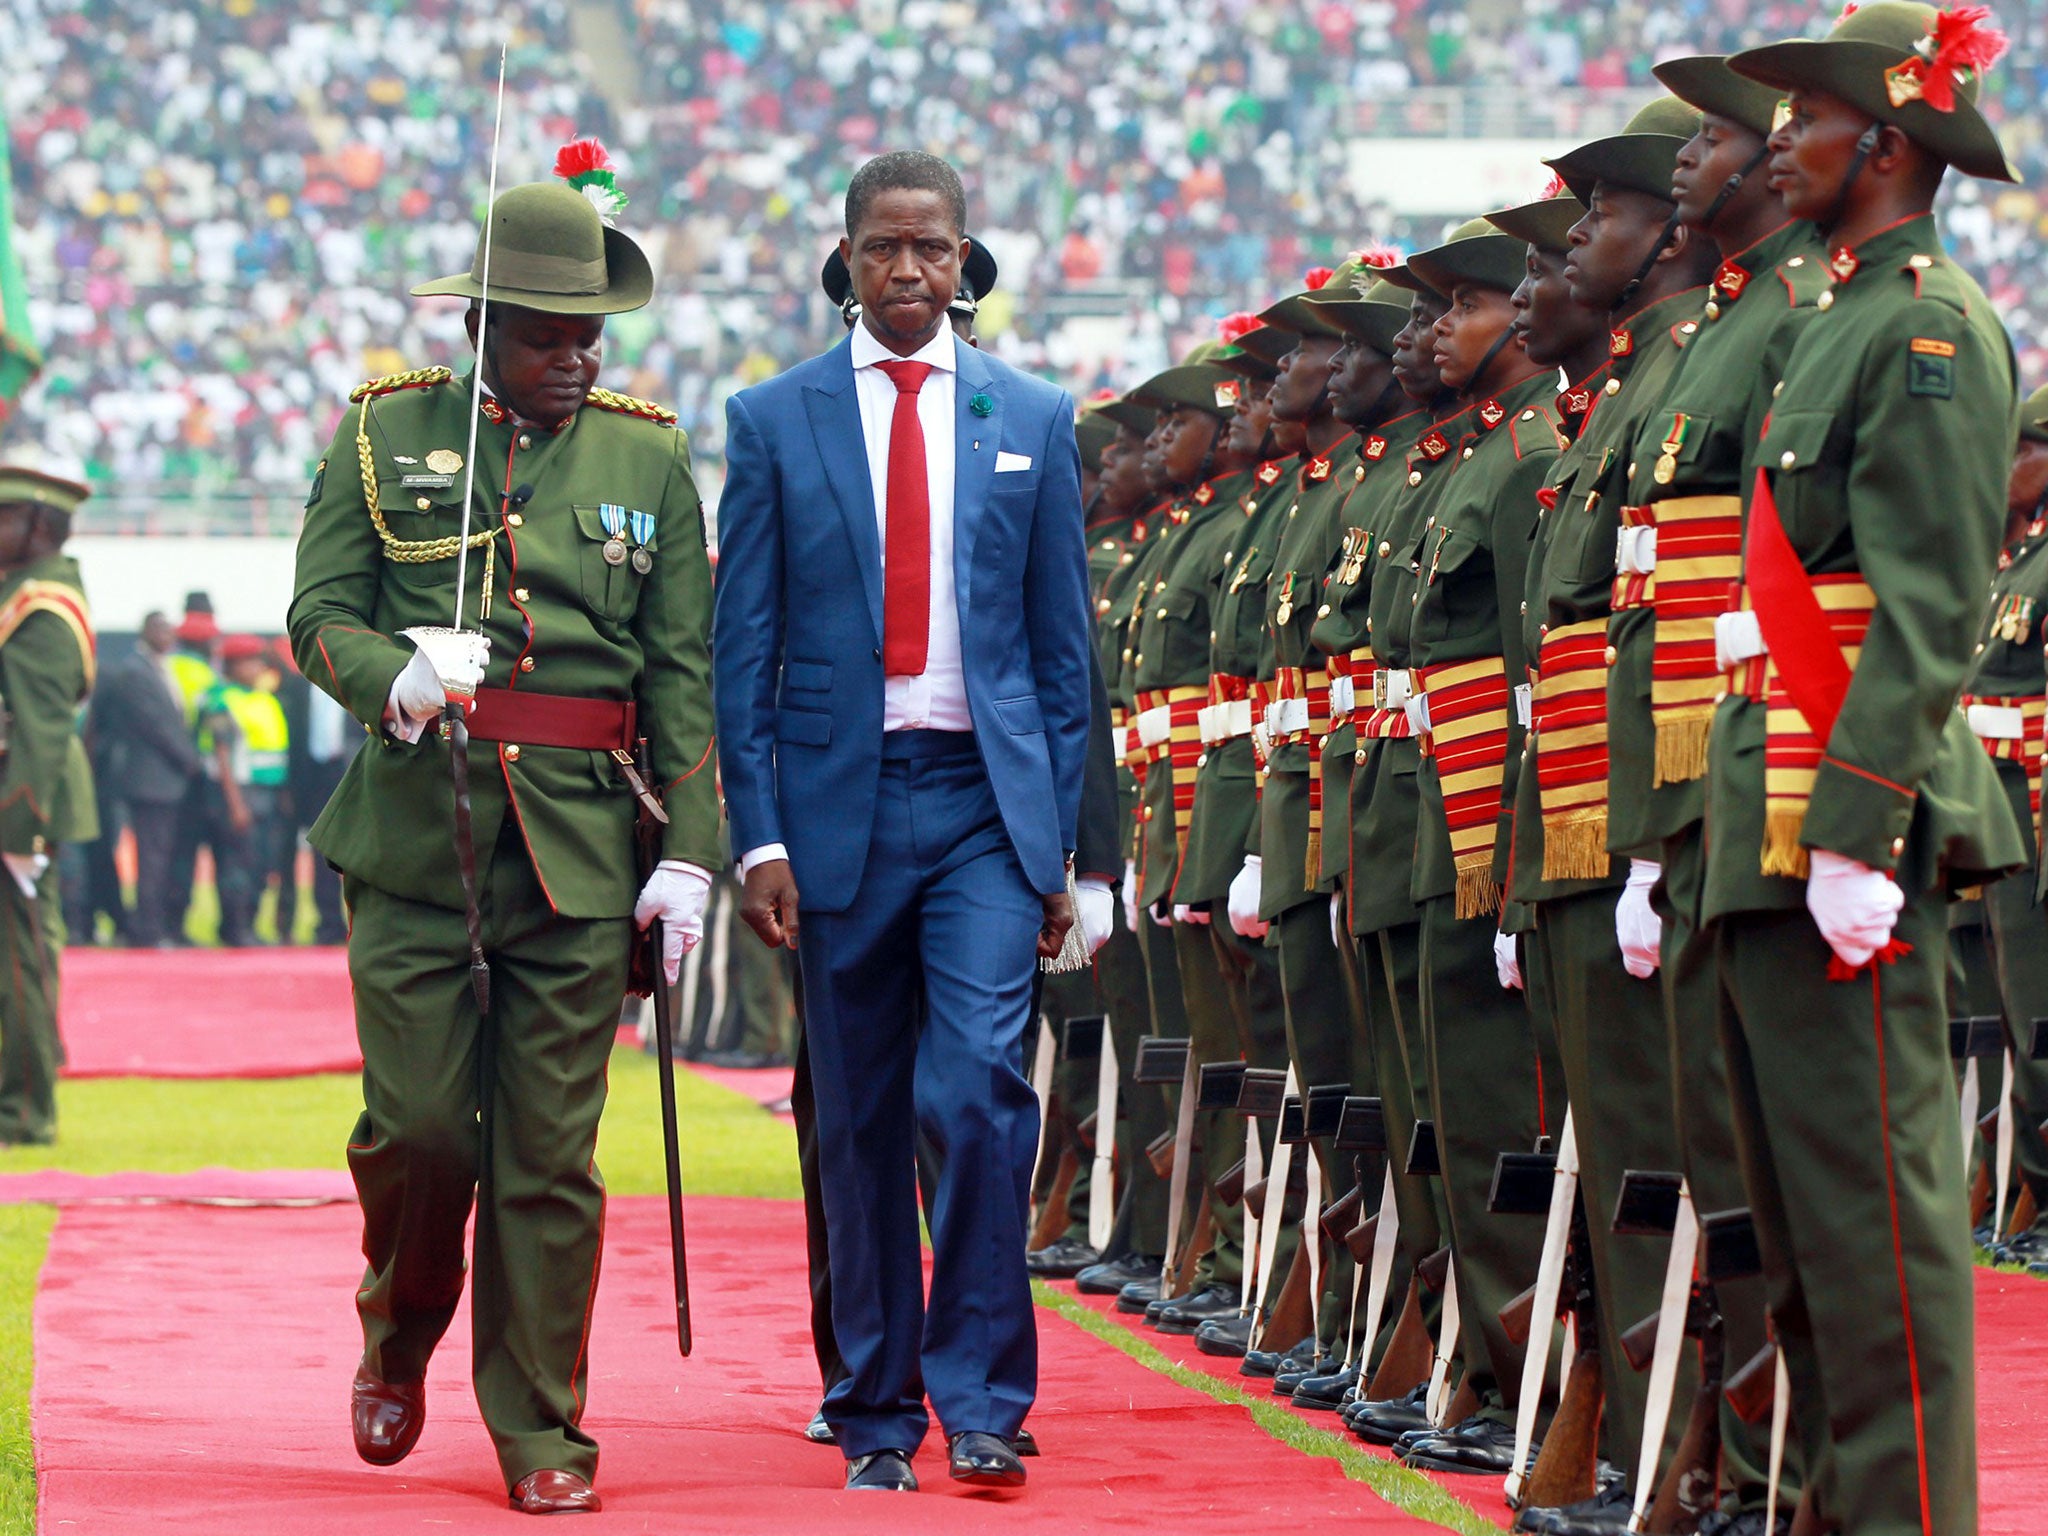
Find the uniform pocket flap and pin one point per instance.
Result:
(1797, 440)
(806, 727)
(424, 495)
(807, 676)
(635, 530)
(1021, 716)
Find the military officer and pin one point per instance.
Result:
(586, 572)
(47, 657)
(1685, 473)
(1844, 793)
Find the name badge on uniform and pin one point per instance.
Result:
(427, 482)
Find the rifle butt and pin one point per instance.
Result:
(1052, 1215)
(1754, 1388)
(1519, 1316)
(1405, 1364)
(1564, 1471)
(1691, 1484)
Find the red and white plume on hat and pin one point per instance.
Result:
(1960, 43)
(587, 166)
(1316, 277)
(1380, 256)
(1556, 188)
(1234, 328)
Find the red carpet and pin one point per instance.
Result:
(203, 1186)
(207, 1013)
(764, 1085)
(2012, 1401)
(192, 1371)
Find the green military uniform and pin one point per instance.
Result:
(1712, 409)
(595, 592)
(1463, 652)
(1609, 1026)
(46, 798)
(1885, 459)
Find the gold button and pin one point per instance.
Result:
(1358, 473)
(1128, 557)
(525, 440)
(1127, 653)
(1787, 459)
(1614, 386)
(1689, 327)
(1898, 846)
(1611, 654)
(422, 503)
(515, 520)
(1202, 760)
(1144, 813)
(1467, 453)
(1160, 614)
(512, 754)
(520, 594)
(1323, 612)
(1796, 261)
(1921, 262)
(1386, 549)
(1429, 523)
(1826, 300)
(1777, 389)
(1713, 310)
(1212, 637)
(1358, 756)
(1525, 608)
(1415, 477)
(1415, 597)
(1109, 543)
(1980, 649)
(1631, 469)
(1721, 697)
(1542, 629)
(1139, 660)
(526, 663)
(1159, 586)
(1529, 415)
(38, 844)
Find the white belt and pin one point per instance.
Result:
(1155, 726)
(1343, 695)
(1286, 716)
(1392, 687)
(1417, 707)
(1525, 696)
(1219, 723)
(1738, 637)
(1996, 722)
(1120, 742)
(1635, 551)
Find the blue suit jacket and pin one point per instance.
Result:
(797, 642)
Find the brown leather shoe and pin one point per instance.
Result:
(552, 1492)
(387, 1417)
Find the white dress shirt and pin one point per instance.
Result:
(936, 698)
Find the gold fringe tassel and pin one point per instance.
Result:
(1575, 846)
(1682, 746)
(1478, 892)
(1312, 871)
(1782, 852)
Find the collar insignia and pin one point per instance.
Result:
(1318, 470)
(1436, 445)
(1620, 343)
(1492, 414)
(1730, 280)
(1375, 449)
(1205, 495)
(1844, 264)
(1268, 473)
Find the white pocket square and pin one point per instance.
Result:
(1005, 462)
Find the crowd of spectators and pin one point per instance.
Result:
(220, 208)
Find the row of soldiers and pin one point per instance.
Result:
(1547, 804)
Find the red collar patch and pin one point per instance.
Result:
(1436, 445)
(1575, 402)
(1268, 473)
(1318, 470)
(1375, 449)
(1492, 414)
(1730, 280)
(1205, 495)
(1844, 263)
(1620, 343)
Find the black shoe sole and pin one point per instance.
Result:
(988, 1479)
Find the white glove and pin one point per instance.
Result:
(1244, 900)
(1637, 928)
(1131, 894)
(420, 692)
(675, 893)
(27, 869)
(1095, 910)
(1853, 905)
(1183, 913)
(1738, 637)
(1339, 929)
(1507, 962)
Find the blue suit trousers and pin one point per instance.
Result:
(916, 998)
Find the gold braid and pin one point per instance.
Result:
(418, 551)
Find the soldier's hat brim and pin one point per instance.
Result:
(979, 272)
(2034, 417)
(1705, 81)
(26, 483)
(1247, 364)
(1544, 223)
(1640, 162)
(1490, 260)
(1192, 387)
(1093, 432)
(1128, 412)
(1374, 317)
(835, 279)
(549, 251)
(1296, 316)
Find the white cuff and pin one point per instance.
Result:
(754, 858)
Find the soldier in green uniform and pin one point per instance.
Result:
(587, 574)
(1685, 474)
(1583, 618)
(47, 660)
(1845, 795)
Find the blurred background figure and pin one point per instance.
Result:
(324, 741)
(244, 747)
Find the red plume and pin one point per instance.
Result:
(1556, 188)
(1963, 40)
(580, 156)
(1847, 11)
(1315, 277)
(1234, 328)
(1102, 395)
(1378, 256)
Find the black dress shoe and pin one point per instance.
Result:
(555, 1492)
(1109, 1279)
(1295, 1368)
(1477, 1445)
(1159, 1303)
(881, 1472)
(387, 1417)
(1024, 1443)
(1746, 1522)
(1138, 1295)
(1190, 1312)
(1385, 1421)
(1327, 1391)
(1061, 1260)
(1605, 1514)
(1225, 1337)
(987, 1461)
(818, 1432)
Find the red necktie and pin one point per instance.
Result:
(907, 560)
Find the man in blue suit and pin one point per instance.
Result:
(901, 651)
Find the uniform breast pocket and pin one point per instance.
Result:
(612, 556)
(1461, 599)
(426, 523)
(1808, 480)
(1583, 539)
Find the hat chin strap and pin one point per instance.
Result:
(1866, 146)
(1634, 285)
(1492, 353)
(1732, 186)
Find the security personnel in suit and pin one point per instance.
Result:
(1844, 792)
(1685, 472)
(46, 794)
(588, 575)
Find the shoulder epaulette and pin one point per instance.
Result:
(631, 405)
(416, 378)
(1525, 419)
(1939, 280)
(1805, 279)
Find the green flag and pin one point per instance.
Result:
(20, 358)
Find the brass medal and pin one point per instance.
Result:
(643, 562)
(614, 551)
(444, 461)
(1666, 470)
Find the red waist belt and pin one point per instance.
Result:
(551, 720)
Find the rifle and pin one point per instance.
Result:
(648, 834)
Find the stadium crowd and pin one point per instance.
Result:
(220, 208)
